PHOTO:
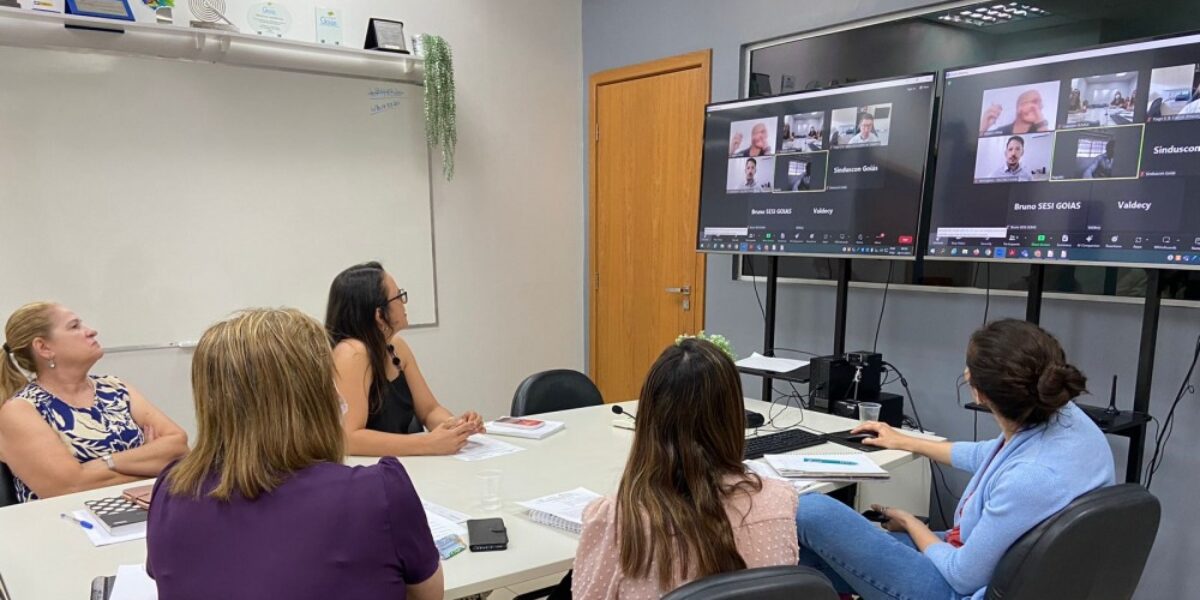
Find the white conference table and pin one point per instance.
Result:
(45, 557)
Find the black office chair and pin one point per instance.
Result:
(791, 582)
(8, 489)
(1094, 549)
(548, 391)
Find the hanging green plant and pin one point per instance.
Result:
(440, 124)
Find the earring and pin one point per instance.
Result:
(52, 365)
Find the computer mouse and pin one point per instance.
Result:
(875, 516)
(859, 437)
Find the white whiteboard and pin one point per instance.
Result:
(155, 197)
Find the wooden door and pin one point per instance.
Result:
(646, 131)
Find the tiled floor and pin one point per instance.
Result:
(536, 584)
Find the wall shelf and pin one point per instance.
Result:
(34, 29)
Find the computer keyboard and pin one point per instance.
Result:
(778, 443)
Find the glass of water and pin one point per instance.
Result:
(489, 489)
(868, 411)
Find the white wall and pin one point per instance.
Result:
(507, 230)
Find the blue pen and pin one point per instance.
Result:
(830, 461)
(82, 523)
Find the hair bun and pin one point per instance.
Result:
(1058, 384)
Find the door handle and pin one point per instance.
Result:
(686, 292)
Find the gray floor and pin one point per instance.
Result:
(511, 591)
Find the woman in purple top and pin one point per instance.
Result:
(263, 506)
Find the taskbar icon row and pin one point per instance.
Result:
(1000, 252)
(802, 248)
(1009, 252)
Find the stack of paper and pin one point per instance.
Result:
(444, 521)
(770, 363)
(563, 510)
(802, 486)
(826, 467)
(132, 583)
(544, 430)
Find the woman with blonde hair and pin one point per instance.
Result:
(686, 507)
(263, 507)
(64, 430)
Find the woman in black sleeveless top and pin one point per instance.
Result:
(384, 392)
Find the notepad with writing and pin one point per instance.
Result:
(563, 510)
(826, 467)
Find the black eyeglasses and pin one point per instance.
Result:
(402, 297)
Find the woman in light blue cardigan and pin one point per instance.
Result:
(1049, 453)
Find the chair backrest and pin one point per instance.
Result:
(8, 489)
(548, 391)
(792, 582)
(1095, 548)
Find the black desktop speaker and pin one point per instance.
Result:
(830, 378)
(891, 410)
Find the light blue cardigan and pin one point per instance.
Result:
(1032, 477)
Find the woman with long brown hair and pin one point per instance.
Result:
(263, 507)
(687, 507)
(377, 373)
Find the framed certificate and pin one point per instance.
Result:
(105, 9)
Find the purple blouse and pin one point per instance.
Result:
(328, 531)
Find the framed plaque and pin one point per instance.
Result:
(105, 9)
(385, 35)
(270, 19)
(329, 26)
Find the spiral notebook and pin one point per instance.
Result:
(563, 510)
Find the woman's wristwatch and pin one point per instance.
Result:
(108, 460)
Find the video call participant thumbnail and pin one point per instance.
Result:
(1015, 159)
(1018, 110)
(861, 126)
(866, 131)
(1102, 100)
(804, 132)
(1103, 153)
(759, 132)
(802, 172)
(1014, 151)
(749, 175)
(1174, 93)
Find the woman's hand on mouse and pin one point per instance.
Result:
(885, 436)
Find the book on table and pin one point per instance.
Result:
(524, 427)
(118, 515)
